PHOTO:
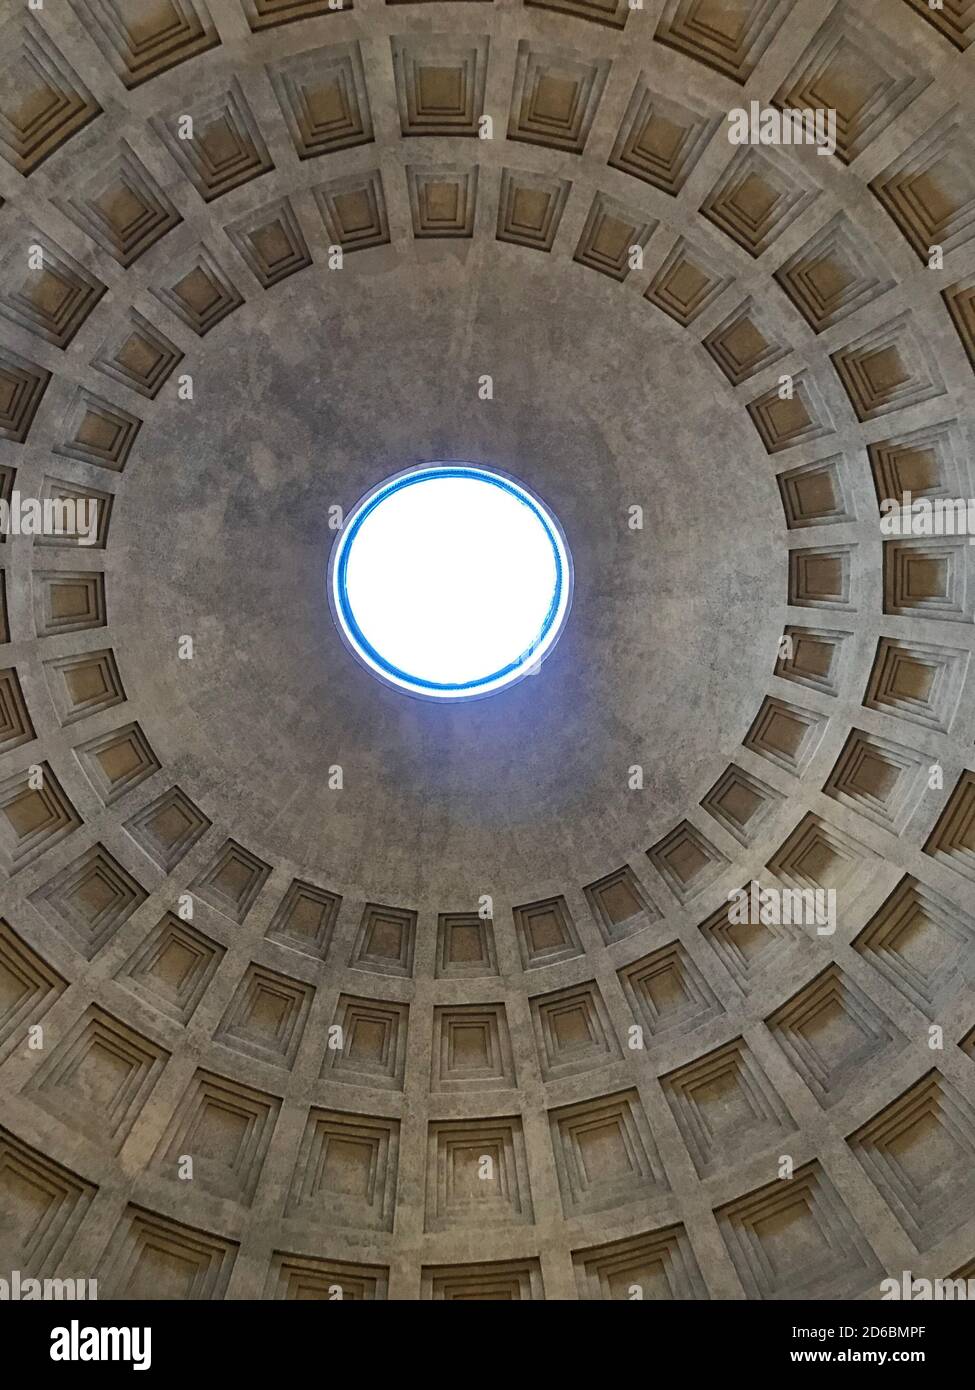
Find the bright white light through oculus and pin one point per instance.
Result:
(450, 581)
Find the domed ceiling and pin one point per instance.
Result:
(312, 989)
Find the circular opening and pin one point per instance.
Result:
(450, 581)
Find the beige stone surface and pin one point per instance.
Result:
(486, 1129)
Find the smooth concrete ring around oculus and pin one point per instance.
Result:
(661, 637)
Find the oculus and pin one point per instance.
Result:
(450, 581)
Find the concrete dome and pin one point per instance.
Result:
(446, 1002)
